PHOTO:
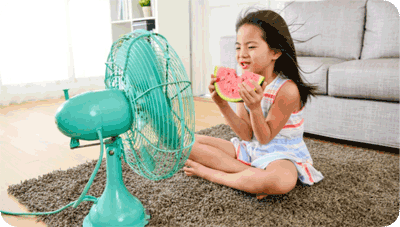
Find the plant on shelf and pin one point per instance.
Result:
(144, 3)
(146, 7)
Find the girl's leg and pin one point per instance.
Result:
(221, 144)
(279, 177)
(216, 154)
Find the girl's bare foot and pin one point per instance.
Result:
(193, 168)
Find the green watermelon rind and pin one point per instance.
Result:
(219, 92)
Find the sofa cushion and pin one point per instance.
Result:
(339, 25)
(316, 71)
(376, 79)
(381, 39)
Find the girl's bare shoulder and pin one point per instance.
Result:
(289, 90)
(289, 94)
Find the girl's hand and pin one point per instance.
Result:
(252, 98)
(214, 95)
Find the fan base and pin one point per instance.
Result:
(116, 207)
(87, 223)
(134, 216)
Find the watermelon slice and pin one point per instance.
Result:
(227, 86)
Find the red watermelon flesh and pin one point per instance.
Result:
(227, 86)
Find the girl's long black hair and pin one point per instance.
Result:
(276, 33)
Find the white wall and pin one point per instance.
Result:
(173, 24)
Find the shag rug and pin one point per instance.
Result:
(361, 188)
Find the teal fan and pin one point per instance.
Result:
(147, 110)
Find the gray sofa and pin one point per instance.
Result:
(356, 54)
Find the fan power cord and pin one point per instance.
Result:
(86, 198)
(89, 183)
(82, 197)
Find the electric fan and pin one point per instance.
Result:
(147, 111)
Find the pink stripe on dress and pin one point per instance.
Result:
(295, 125)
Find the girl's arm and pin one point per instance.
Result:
(286, 102)
(240, 124)
(241, 127)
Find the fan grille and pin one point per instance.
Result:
(148, 70)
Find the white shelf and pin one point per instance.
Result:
(121, 27)
(173, 24)
(133, 20)
(121, 21)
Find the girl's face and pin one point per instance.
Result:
(253, 53)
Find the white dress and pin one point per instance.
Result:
(288, 144)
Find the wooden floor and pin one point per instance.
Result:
(31, 145)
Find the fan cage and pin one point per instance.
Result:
(148, 70)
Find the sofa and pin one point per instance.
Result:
(354, 61)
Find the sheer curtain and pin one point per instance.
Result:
(45, 43)
(90, 36)
(34, 41)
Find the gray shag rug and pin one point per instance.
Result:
(361, 188)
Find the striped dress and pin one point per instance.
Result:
(288, 144)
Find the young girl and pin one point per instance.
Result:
(271, 155)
